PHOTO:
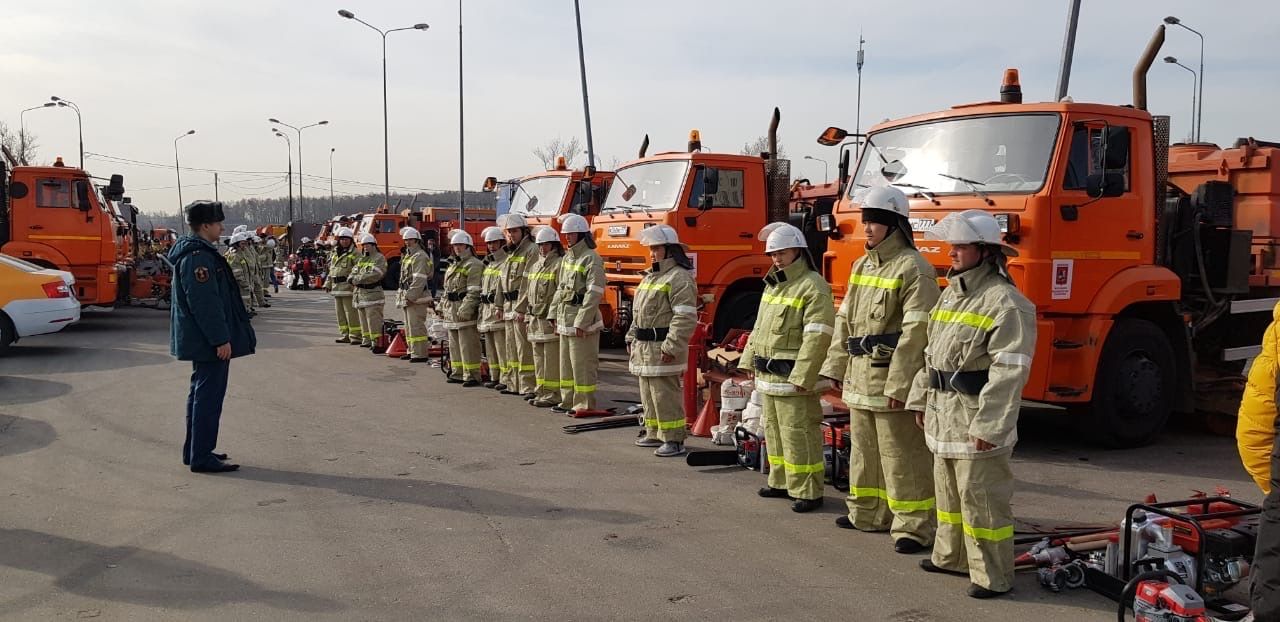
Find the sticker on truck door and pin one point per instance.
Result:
(693, 261)
(1063, 272)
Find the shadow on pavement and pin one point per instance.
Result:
(20, 435)
(15, 390)
(132, 575)
(49, 359)
(438, 495)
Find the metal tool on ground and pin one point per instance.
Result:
(634, 417)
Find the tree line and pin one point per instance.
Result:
(258, 211)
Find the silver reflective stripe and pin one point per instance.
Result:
(1014, 359)
(776, 387)
(421, 275)
(915, 317)
(596, 289)
(657, 369)
(858, 400)
(819, 328)
(684, 310)
(455, 325)
(474, 288)
(949, 447)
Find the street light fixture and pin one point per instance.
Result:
(386, 133)
(1173, 21)
(1195, 81)
(22, 130)
(825, 167)
(288, 152)
(178, 169)
(302, 203)
(79, 122)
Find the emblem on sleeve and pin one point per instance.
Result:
(202, 274)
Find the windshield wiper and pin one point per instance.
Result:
(920, 190)
(973, 185)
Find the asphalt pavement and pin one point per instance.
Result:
(371, 489)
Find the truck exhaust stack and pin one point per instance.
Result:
(1144, 65)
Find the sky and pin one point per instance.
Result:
(144, 72)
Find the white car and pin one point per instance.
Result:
(34, 300)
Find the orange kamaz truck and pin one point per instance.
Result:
(541, 197)
(55, 216)
(1153, 268)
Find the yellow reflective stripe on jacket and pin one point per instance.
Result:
(894, 504)
(770, 299)
(977, 533)
(875, 281)
(575, 267)
(542, 276)
(660, 287)
(976, 320)
(516, 259)
(492, 272)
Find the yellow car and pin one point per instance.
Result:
(34, 300)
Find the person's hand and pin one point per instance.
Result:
(919, 416)
(579, 333)
(224, 352)
(798, 387)
(667, 358)
(628, 348)
(982, 445)
(839, 386)
(895, 404)
(520, 317)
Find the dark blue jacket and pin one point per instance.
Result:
(206, 309)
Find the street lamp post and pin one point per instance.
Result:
(331, 150)
(177, 169)
(825, 167)
(289, 152)
(22, 130)
(1195, 81)
(302, 203)
(79, 122)
(386, 133)
(1173, 21)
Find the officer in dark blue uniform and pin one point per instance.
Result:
(209, 326)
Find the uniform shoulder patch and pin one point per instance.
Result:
(202, 274)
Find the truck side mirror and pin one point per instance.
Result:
(582, 194)
(710, 177)
(490, 184)
(826, 223)
(82, 196)
(1116, 148)
(1104, 185)
(115, 189)
(832, 136)
(588, 171)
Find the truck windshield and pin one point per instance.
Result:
(540, 196)
(651, 185)
(1005, 153)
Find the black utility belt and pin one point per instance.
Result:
(339, 279)
(577, 299)
(489, 298)
(511, 296)
(780, 367)
(652, 334)
(966, 382)
(370, 286)
(455, 296)
(862, 346)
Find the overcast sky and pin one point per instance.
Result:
(144, 72)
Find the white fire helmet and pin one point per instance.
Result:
(306, 240)
(545, 235)
(368, 239)
(889, 199)
(344, 232)
(972, 226)
(409, 233)
(271, 242)
(238, 237)
(492, 234)
(461, 237)
(512, 221)
(659, 235)
(780, 235)
(240, 229)
(573, 223)
(257, 240)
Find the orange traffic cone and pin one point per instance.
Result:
(707, 418)
(398, 347)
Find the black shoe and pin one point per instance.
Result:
(806, 505)
(376, 351)
(266, 304)
(217, 466)
(489, 385)
(543, 404)
(907, 546)
(419, 359)
(773, 493)
(843, 522)
(405, 357)
(528, 397)
(927, 565)
(559, 409)
(366, 345)
(452, 380)
(501, 388)
(269, 295)
(977, 591)
(508, 392)
(471, 383)
(342, 340)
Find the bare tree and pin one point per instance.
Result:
(20, 146)
(610, 163)
(761, 145)
(547, 153)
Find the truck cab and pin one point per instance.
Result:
(543, 197)
(55, 217)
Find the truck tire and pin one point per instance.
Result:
(392, 279)
(737, 311)
(1133, 392)
(8, 335)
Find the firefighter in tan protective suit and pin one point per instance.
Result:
(264, 255)
(791, 335)
(341, 261)
(578, 318)
(521, 253)
(366, 276)
(413, 296)
(982, 335)
(491, 324)
(665, 314)
(543, 282)
(254, 252)
(877, 350)
(461, 310)
(238, 259)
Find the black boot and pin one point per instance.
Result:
(977, 591)
(806, 505)
(907, 546)
(773, 493)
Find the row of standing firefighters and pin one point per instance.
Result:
(932, 377)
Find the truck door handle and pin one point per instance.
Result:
(745, 235)
(37, 227)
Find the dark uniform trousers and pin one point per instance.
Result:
(204, 410)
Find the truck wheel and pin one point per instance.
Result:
(392, 279)
(8, 334)
(737, 311)
(1133, 393)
